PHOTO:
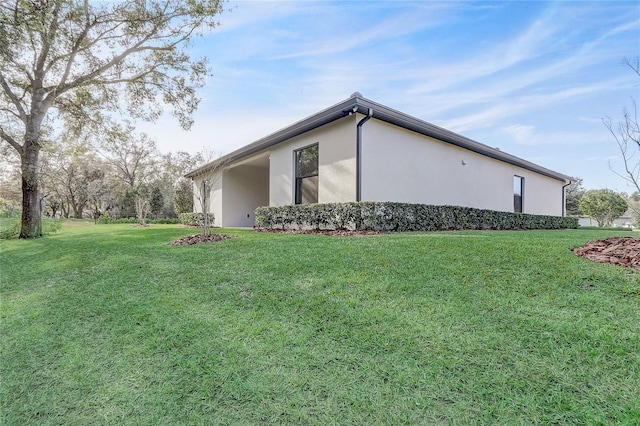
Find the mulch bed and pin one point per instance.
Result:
(623, 251)
(200, 239)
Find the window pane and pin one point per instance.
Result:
(307, 161)
(306, 175)
(307, 190)
(518, 183)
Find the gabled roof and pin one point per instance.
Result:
(357, 103)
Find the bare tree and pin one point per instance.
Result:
(205, 180)
(80, 61)
(203, 190)
(626, 133)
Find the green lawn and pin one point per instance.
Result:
(110, 324)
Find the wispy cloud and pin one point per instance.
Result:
(524, 134)
(528, 74)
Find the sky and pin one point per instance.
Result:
(534, 79)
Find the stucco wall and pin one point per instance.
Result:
(337, 164)
(244, 189)
(403, 166)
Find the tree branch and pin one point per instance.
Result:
(10, 140)
(14, 99)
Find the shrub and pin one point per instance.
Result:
(105, 218)
(389, 216)
(194, 219)
(9, 229)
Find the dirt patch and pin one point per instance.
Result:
(339, 233)
(623, 251)
(200, 239)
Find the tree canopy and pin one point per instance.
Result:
(574, 193)
(87, 62)
(603, 205)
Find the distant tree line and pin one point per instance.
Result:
(124, 175)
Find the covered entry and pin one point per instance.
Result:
(245, 187)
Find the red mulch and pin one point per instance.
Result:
(340, 233)
(623, 251)
(200, 239)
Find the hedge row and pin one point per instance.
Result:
(387, 216)
(195, 219)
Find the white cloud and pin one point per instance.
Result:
(523, 134)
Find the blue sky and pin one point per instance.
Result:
(532, 78)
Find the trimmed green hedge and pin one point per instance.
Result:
(195, 219)
(388, 216)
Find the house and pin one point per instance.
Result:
(360, 150)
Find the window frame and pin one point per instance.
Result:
(299, 178)
(518, 194)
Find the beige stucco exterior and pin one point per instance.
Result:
(403, 159)
(404, 166)
(336, 164)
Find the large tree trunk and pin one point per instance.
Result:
(31, 226)
(78, 208)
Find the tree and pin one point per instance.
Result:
(83, 62)
(71, 177)
(603, 205)
(142, 199)
(171, 179)
(634, 205)
(626, 133)
(156, 203)
(183, 196)
(136, 162)
(203, 191)
(574, 193)
(204, 185)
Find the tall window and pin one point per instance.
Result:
(306, 175)
(518, 193)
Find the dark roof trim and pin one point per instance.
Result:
(356, 103)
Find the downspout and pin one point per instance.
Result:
(564, 198)
(359, 154)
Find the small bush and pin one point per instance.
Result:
(388, 216)
(105, 218)
(9, 229)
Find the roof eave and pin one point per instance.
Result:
(361, 105)
(319, 119)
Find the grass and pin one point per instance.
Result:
(10, 227)
(111, 325)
